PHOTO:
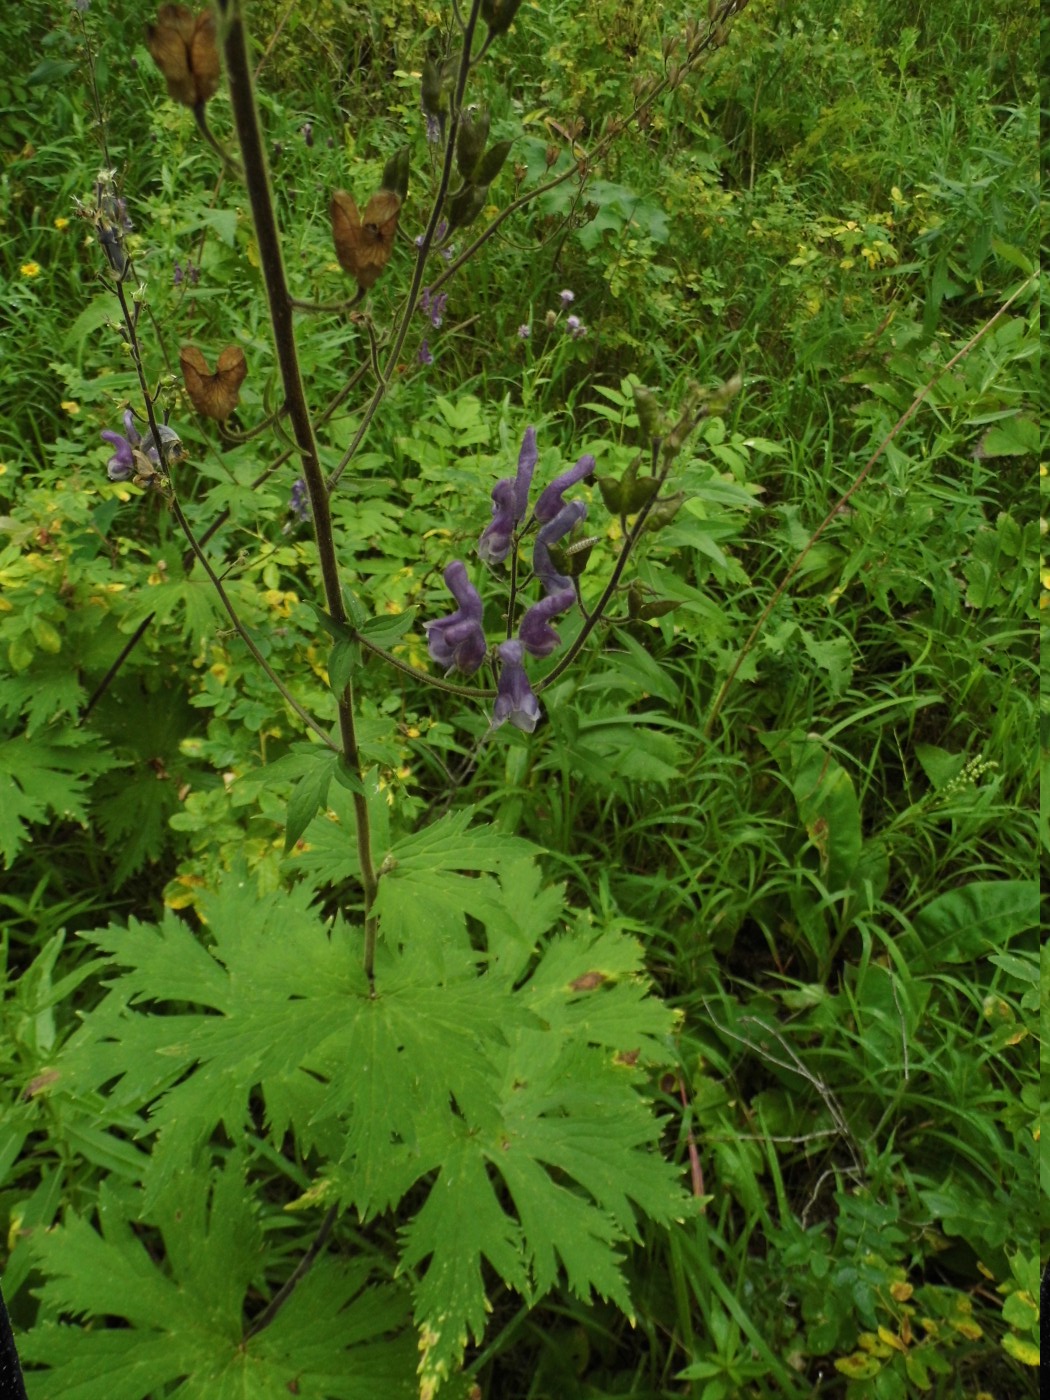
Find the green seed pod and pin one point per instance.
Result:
(470, 142)
(650, 415)
(499, 15)
(432, 95)
(466, 204)
(395, 173)
(491, 162)
(612, 494)
(664, 511)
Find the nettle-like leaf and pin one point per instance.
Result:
(494, 1071)
(185, 1324)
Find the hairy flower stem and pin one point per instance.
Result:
(279, 298)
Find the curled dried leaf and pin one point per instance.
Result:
(183, 46)
(364, 241)
(214, 395)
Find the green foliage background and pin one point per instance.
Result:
(832, 888)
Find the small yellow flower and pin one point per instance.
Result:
(61, 223)
(30, 269)
(71, 406)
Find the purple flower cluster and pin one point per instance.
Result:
(458, 642)
(573, 325)
(299, 501)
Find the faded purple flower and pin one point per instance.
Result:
(193, 272)
(299, 501)
(132, 447)
(567, 298)
(510, 500)
(433, 129)
(121, 466)
(524, 332)
(423, 355)
(550, 501)
(306, 131)
(458, 642)
(577, 330)
(535, 632)
(433, 306)
(515, 700)
(542, 565)
(177, 275)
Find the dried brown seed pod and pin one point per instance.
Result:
(214, 395)
(364, 241)
(184, 48)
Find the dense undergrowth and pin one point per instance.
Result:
(811, 809)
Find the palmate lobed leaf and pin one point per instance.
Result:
(512, 1095)
(186, 1321)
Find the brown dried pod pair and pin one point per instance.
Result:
(213, 395)
(364, 240)
(184, 47)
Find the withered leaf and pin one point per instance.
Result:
(587, 982)
(214, 395)
(184, 48)
(364, 241)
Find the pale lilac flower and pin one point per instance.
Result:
(524, 332)
(567, 298)
(458, 642)
(535, 631)
(550, 501)
(299, 501)
(542, 565)
(577, 330)
(515, 700)
(510, 500)
(433, 306)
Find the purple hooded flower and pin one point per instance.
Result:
(535, 632)
(567, 519)
(510, 500)
(514, 699)
(458, 642)
(550, 501)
